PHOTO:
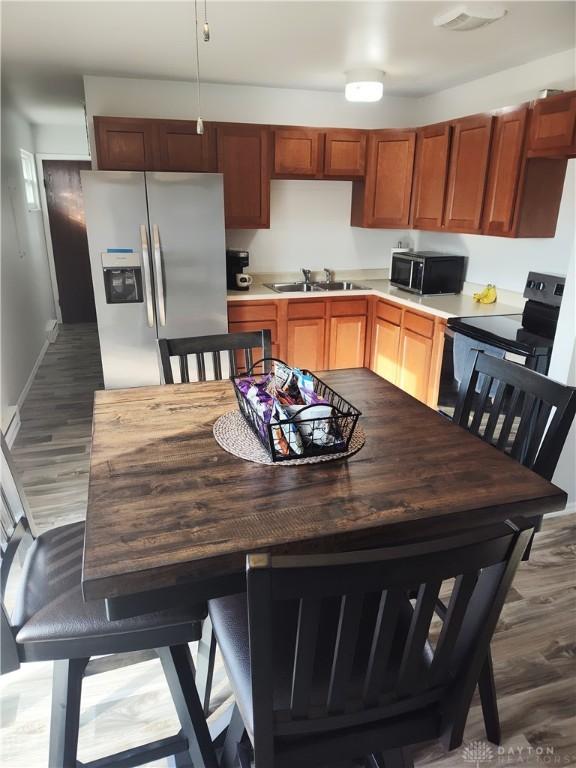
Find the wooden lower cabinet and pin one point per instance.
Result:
(385, 349)
(414, 364)
(347, 342)
(305, 345)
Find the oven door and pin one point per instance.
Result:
(402, 272)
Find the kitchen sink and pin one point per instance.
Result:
(294, 287)
(337, 285)
(341, 285)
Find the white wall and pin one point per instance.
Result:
(507, 88)
(27, 305)
(563, 368)
(61, 140)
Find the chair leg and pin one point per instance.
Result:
(205, 664)
(65, 717)
(487, 689)
(234, 734)
(179, 672)
(394, 758)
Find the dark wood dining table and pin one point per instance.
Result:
(172, 516)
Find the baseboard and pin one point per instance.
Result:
(568, 510)
(52, 330)
(33, 372)
(11, 427)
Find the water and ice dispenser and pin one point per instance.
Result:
(122, 277)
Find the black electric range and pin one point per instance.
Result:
(530, 334)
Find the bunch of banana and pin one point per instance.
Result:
(487, 296)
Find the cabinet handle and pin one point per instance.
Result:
(147, 276)
(159, 276)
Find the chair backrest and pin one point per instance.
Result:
(529, 415)
(243, 350)
(16, 531)
(346, 641)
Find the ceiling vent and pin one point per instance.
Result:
(464, 18)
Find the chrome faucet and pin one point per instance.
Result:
(307, 273)
(327, 276)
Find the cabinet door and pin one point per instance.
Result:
(504, 172)
(305, 343)
(125, 144)
(386, 343)
(255, 325)
(388, 184)
(243, 158)
(297, 152)
(430, 175)
(553, 124)
(414, 364)
(344, 153)
(468, 171)
(347, 341)
(181, 148)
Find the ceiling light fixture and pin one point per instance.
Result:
(364, 85)
(464, 18)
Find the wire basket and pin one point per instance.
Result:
(313, 430)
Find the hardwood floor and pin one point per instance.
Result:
(534, 647)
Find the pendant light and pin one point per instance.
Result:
(206, 36)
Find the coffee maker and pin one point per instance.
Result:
(236, 280)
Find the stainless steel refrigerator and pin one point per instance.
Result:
(158, 259)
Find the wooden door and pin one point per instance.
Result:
(344, 153)
(553, 125)
(414, 364)
(430, 176)
(125, 144)
(468, 171)
(181, 148)
(347, 342)
(385, 347)
(305, 343)
(298, 152)
(243, 158)
(504, 172)
(383, 199)
(69, 241)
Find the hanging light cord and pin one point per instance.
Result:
(199, 121)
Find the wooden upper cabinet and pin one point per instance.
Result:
(344, 153)
(244, 159)
(430, 176)
(383, 198)
(506, 158)
(181, 148)
(553, 126)
(467, 175)
(298, 152)
(126, 143)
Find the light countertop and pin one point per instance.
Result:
(460, 305)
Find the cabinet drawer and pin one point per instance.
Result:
(340, 307)
(248, 312)
(310, 309)
(389, 312)
(422, 325)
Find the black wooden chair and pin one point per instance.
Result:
(51, 622)
(239, 346)
(332, 662)
(526, 415)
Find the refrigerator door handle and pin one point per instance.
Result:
(158, 275)
(147, 276)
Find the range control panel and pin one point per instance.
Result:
(547, 289)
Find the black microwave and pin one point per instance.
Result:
(427, 272)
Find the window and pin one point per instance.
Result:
(30, 180)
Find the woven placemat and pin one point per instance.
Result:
(234, 435)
